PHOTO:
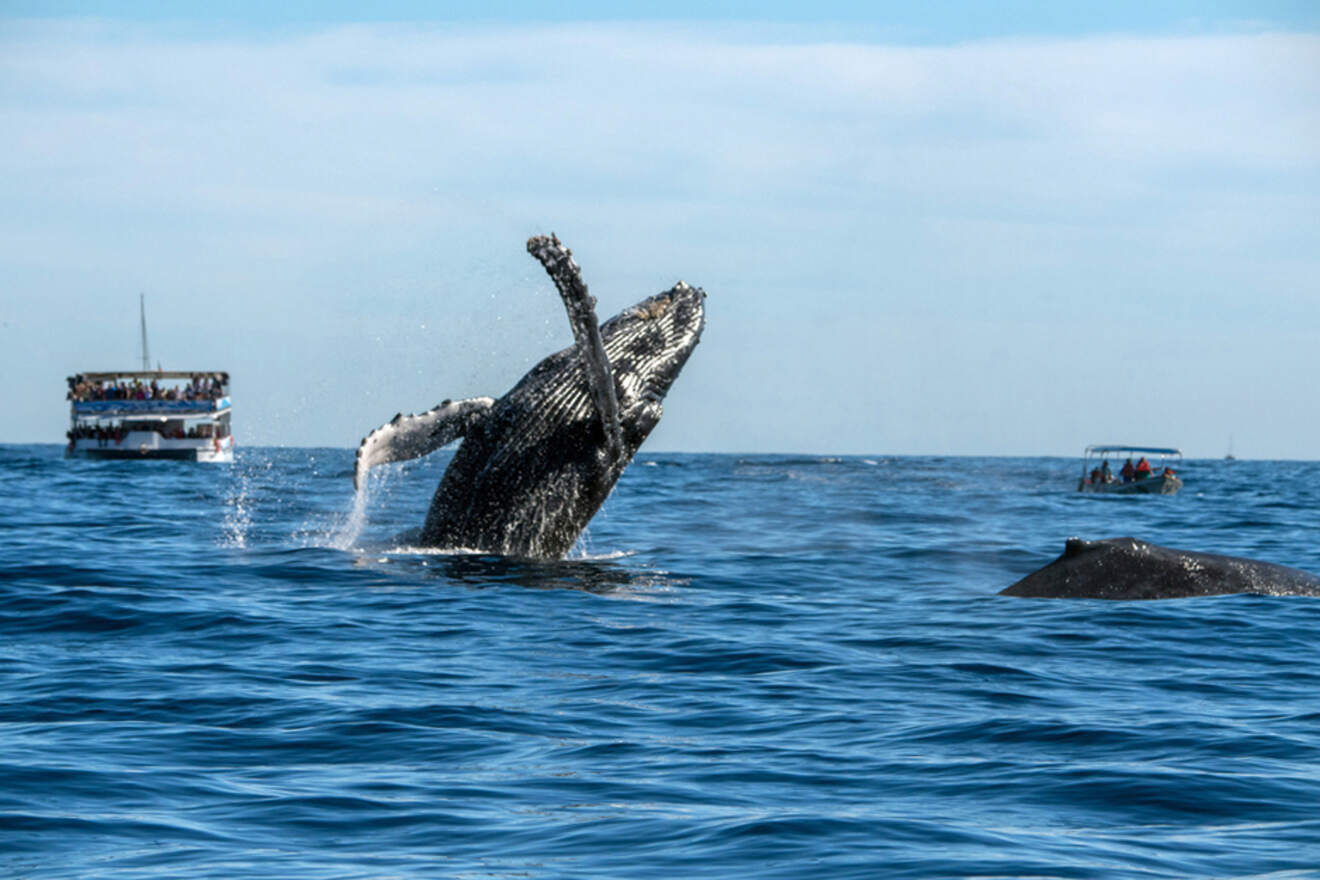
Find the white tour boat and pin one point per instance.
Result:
(150, 414)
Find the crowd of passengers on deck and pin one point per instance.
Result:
(203, 386)
(1129, 473)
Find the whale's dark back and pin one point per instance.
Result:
(527, 480)
(1126, 568)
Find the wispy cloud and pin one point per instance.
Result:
(1006, 182)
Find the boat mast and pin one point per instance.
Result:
(146, 354)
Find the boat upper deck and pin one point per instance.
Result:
(147, 393)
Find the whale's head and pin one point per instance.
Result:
(647, 346)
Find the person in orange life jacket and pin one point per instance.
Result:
(1143, 469)
(1126, 472)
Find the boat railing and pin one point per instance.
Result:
(145, 407)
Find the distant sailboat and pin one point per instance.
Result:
(1230, 456)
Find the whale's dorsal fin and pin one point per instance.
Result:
(567, 275)
(413, 436)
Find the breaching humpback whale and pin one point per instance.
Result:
(1125, 568)
(536, 465)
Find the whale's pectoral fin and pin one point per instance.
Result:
(413, 436)
(567, 275)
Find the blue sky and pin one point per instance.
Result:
(934, 21)
(969, 229)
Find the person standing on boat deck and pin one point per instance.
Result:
(1143, 469)
(1127, 471)
(1106, 475)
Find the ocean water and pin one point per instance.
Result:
(751, 666)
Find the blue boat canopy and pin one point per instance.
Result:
(148, 407)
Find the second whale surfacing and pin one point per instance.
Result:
(1126, 568)
(535, 465)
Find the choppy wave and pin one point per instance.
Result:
(233, 671)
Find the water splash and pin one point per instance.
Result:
(345, 535)
(344, 531)
(237, 518)
(581, 548)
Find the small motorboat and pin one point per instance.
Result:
(1141, 478)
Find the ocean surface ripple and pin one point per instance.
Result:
(751, 666)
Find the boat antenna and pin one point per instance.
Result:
(146, 353)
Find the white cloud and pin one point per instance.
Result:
(369, 179)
